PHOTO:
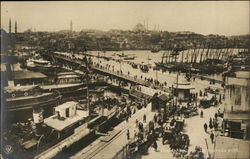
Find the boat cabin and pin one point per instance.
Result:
(67, 77)
(21, 91)
(66, 116)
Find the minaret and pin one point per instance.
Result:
(15, 27)
(9, 26)
(71, 25)
(9, 64)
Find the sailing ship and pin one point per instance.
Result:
(169, 60)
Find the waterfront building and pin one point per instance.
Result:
(237, 105)
(236, 140)
(182, 90)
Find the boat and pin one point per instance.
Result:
(144, 68)
(155, 49)
(129, 58)
(41, 65)
(122, 55)
(68, 84)
(134, 65)
(20, 100)
(65, 127)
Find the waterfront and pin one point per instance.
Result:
(125, 80)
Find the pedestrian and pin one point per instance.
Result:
(136, 122)
(135, 134)
(210, 125)
(127, 118)
(155, 118)
(212, 137)
(155, 146)
(201, 115)
(216, 115)
(205, 127)
(144, 118)
(128, 135)
(210, 121)
(215, 125)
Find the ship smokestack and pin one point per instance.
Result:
(38, 120)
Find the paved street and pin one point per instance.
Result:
(194, 128)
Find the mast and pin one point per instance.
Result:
(87, 84)
(163, 57)
(207, 52)
(192, 55)
(202, 52)
(196, 55)
(166, 56)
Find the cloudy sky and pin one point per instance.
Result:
(224, 18)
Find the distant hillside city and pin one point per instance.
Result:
(139, 38)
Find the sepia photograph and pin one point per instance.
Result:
(125, 80)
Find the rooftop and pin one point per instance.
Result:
(60, 125)
(67, 104)
(18, 75)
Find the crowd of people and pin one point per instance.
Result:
(214, 125)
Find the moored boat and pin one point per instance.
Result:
(20, 100)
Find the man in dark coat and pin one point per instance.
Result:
(144, 118)
(205, 127)
(155, 146)
(212, 137)
(128, 135)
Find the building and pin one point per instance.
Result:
(237, 105)
(159, 101)
(182, 90)
(139, 28)
(237, 99)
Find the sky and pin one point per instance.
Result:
(204, 17)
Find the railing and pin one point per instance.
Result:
(117, 74)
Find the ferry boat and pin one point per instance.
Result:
(50, 136)
(41, 65)
(20, 100)
(68, 84)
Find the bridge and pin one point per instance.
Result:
(77, 64)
